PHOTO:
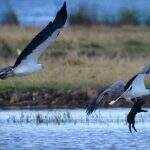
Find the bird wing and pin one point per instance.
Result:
(46, 37)
(115, 89)
(138, 83)
(94, 104)
(145, 70)
(130, 82)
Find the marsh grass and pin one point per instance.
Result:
(100, 39)
(97, 72)
(92, 72)
(66, 117)
(39, 118)
(137, 47)
(94, 56)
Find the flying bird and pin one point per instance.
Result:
(135, 87)
(116, 89)
(136, 108)
(27, 62)
(132, 91)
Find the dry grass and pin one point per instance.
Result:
(101, 39)
(99, 71)
(76, 70)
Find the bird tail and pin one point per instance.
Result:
(93, 106)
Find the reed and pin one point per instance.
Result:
(66, 117)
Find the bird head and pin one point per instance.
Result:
(6, 72)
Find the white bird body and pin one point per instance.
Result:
(138, 86)
(26, 69)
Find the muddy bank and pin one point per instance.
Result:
(50, 98)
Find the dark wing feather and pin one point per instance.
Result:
(93, 106)
(58, 22)
(145, 70)
(130, 82)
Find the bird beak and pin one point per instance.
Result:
(5, 72)
(112, 102)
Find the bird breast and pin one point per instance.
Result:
(27, 69)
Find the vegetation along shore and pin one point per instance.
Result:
(82, 61)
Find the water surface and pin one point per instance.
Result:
(105, 129)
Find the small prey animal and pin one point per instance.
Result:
(136, 108)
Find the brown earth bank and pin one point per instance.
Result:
(50, 98)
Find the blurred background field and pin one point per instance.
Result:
(98, 46)
(82, 56)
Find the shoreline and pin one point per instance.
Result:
(54, 99)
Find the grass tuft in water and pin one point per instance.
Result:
(66, 117)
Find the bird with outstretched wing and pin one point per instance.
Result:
(135, 87)
(27, 62)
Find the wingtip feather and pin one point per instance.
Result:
(64, 5)
(61, 17)
(91, 108)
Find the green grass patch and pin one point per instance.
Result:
(134, 47)
(32, 86)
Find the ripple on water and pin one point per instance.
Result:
(82, 136)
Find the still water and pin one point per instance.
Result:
(61, 129)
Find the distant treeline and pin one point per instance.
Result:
(87, 15)
(10, 17)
